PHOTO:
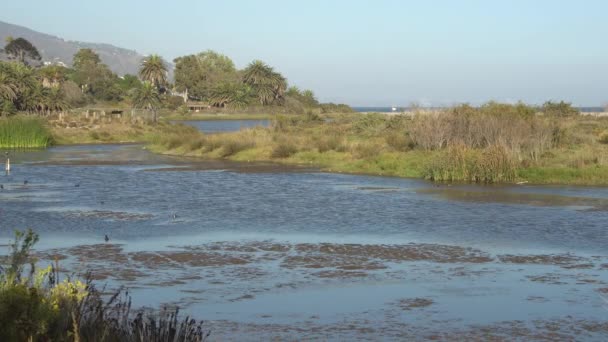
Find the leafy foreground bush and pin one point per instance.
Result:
(37, 306)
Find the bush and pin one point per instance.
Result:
(603, 138)
(559, 109)
(284, 149)
(173, 102)
(40, 307)
(400, 141)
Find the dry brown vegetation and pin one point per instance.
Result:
(492, 143)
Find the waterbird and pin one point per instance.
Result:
(77, 185)
(25, 182)
(174, 216)
(1, 186)
(106, 238)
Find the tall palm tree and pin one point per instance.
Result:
(269, 86)
(147, 97)
(154, 70)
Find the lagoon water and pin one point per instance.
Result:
(260, 251)
(218, 126)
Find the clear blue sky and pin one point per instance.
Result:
(381, 52)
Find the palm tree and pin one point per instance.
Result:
(7, 87)
(147, 97)
(269, 86)
(232, 95)
(154, 70)
(54, 100)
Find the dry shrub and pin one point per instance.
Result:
(514, 128)
(399, 141)
(603, 139)
(284, 149)
(366, 150)
(329, 143)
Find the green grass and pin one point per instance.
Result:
(24, 132)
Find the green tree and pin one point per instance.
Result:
(85, 58)
(94, 77)
(148, 98)
(199, 74)
(268, 85)
(154, 70)
(231, 95)
(21, 50)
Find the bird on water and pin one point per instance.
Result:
(106, 238)
(25, 182)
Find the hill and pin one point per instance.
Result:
(54, 49)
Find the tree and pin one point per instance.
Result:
(154, 70)
(231, 94)
(85, 58)
(147, 97)
(268, 85)
(94, 77)
(21, 50)
(199, 74)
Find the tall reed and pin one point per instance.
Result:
(24, 132)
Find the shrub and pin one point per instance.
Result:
(284, 149)
(233, 146)
(366, 150)
(559, 109)
(603, 139)
(40, 307)
(400, 141)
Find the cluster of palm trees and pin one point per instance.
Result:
(21, 89)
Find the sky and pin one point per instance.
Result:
(365, 53)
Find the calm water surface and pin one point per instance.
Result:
(218, 126)
(264, 253)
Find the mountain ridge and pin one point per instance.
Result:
(56, 49)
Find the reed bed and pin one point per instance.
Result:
(24, 132)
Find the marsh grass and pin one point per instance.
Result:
(493, 144)
(23, 132)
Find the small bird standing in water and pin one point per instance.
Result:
(25, 182)
(174, 216)
(106, 238)
(1, 186)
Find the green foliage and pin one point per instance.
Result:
(232, 95)
(40, 307)
(147, 97)
(559, 109)
(94, 77)
(154, 70)
(23, 132)
(268, 86)
(200, 74)
(22, 50)
(336, 108)
(460, 163)
(172, 102)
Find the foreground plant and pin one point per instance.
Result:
(37, 306)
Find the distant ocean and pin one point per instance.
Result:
(404, 109)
